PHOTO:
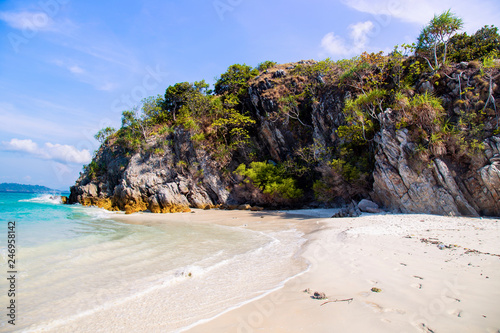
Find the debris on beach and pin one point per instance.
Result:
(319, 295)
(348, 300)
(376, 290)
(442, 246)
(316, 294)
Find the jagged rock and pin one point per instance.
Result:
(400, 186)
(185, 175)
(463, 65)
(145, 181)
(350, 211)
(279, 73)
(426, 86)
(368, 206)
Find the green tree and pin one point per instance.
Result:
(484, 43)
(233, 128)
(235, 80)
(175, 97)
(104, 133)
(135, 122)
(186, 99)
(438, 32)
(152, 108)
(270, 179)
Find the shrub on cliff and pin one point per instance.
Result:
(274, 186)
(485, 42)
(340, 180)
(235, 80)
(266, 65)
(103, 134)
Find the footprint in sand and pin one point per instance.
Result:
(455, 313)
(493, 330)
(380, 309)
(375, 307)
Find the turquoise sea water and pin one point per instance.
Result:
(75, 262)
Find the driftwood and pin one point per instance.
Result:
(348, 300)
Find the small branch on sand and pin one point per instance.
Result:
(348, 300)
(442, 246)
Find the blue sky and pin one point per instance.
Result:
(68, 68)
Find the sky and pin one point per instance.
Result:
(69, 68)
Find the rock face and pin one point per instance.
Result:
(185, 175)
(434, 188)
(180, 178)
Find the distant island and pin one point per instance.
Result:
(22, 188)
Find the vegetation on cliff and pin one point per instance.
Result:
(306, 131)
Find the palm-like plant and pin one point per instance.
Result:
(438, 32)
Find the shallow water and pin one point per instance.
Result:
(76, 263)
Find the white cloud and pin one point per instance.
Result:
(50, 151)
(27, 146)
(420, 12)
(334, 45)
(66, 153)
(76, 69)
(31, 21)
(358, 35)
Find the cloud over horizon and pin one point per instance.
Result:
(421, 12)
(49, 151)
(358, 35)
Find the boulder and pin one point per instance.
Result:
(244, 207)
(368, 206)
(350, 211)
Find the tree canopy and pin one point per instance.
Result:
(438, 32)
(235, 80)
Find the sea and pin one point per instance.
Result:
(75, 263)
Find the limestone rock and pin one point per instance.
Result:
(401, 186)
(368, 206)
(350, 211)
(244, 207)
(185, 175)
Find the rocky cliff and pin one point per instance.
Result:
(437, 188)
(299, 114)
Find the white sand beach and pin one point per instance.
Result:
(425, 287)
(433, 273)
